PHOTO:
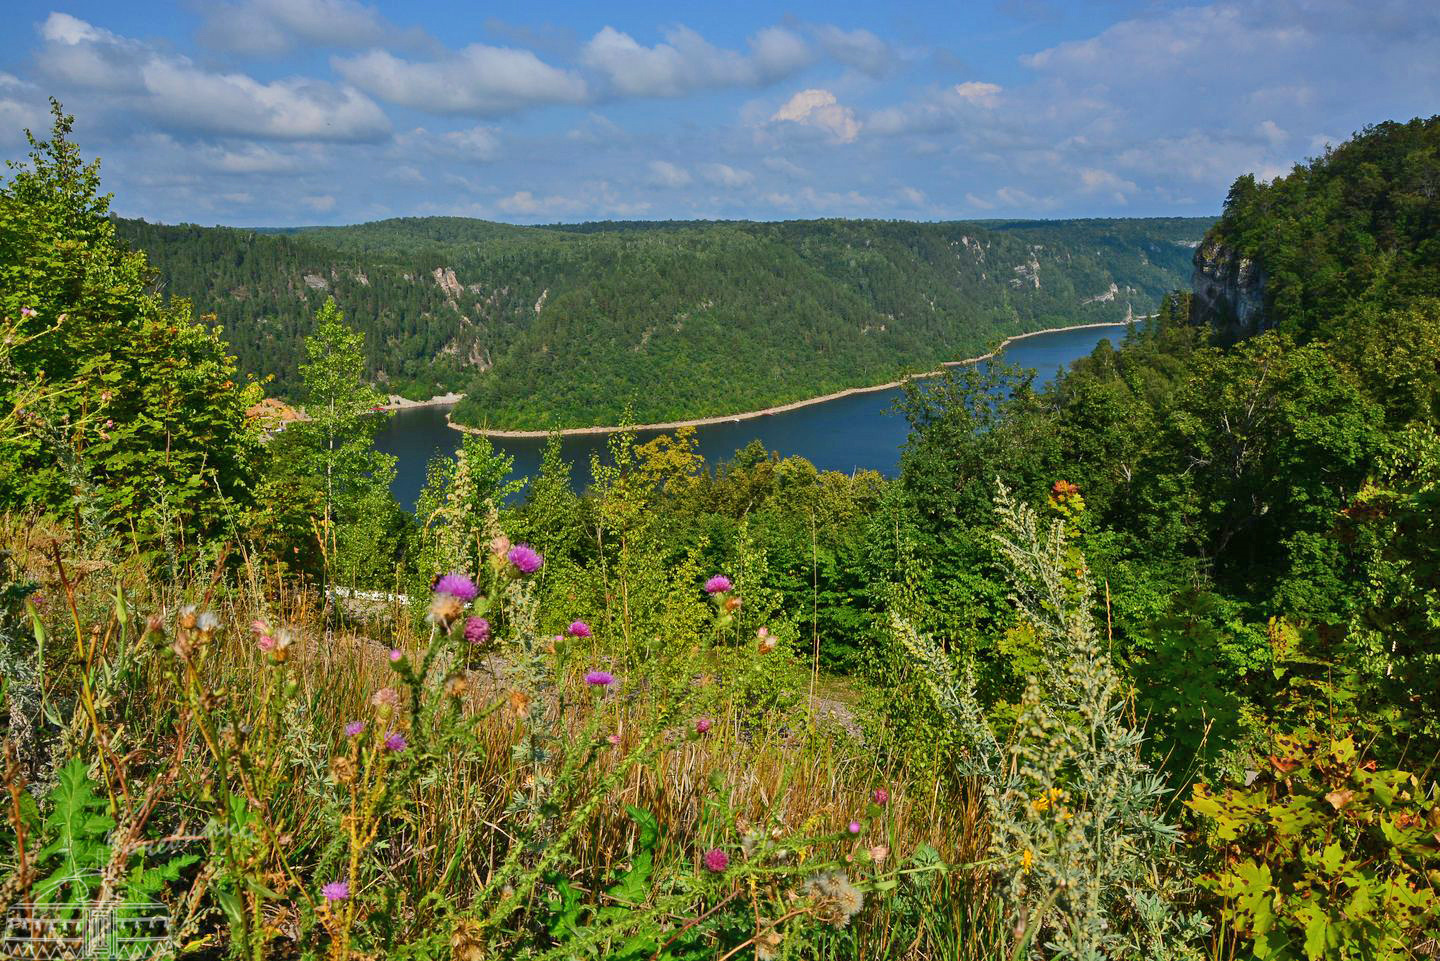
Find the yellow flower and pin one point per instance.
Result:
(1027, 858)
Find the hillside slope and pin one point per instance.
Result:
(571, 326)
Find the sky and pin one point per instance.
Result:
(292, 112)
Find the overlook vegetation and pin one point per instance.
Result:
(572, 326)
(1143, 665)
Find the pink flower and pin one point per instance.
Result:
(457, 586)
(880, 796)
(613, 739)
(854, 827)
(477, 630)
(336, 891)
(395, 741)
(260, 626)
(354, 728)
(702, 725)
(525, 558)
(266, 642)
(716, 860)
(27, 312)
(396, 654)
(599, 678)
(718, 584)
(578, 629)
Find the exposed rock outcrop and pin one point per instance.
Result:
(1229, 292)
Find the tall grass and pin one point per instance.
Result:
(176, 704)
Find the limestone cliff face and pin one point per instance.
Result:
(1229, 292)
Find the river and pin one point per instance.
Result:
(857, 432)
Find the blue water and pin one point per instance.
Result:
(861, 431)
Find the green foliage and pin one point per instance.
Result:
(77, 834)
(143, 424)
(1325, 854)
(1356, 227)
(557, 327)
(332, 454)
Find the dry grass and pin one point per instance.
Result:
(793, 772)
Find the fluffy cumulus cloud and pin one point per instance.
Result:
(479, 80)
(819, 110)
(687, 62)
(182, 95)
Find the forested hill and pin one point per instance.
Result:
(1357, 229)
(571, 325)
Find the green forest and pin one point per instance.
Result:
(573, 326)
(1144, 664)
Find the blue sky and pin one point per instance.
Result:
(283, 112)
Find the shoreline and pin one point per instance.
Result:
(781, 408)
(396, 402)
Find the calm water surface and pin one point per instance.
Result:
(858, 432)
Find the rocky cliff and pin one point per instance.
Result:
(1229, 292)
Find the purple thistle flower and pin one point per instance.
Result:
(854, 827)
(599, 678)
(525, 558)
(477, 630)
(716, 860)
(395, 741)
(27, 312)
(457, 586)
(336, 891)
(354, 728)
(719, 584)
(396, 654)
(880, 796)
(702, 725)
(578, 629)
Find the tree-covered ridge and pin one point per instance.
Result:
(1358, 226)
(569, 327)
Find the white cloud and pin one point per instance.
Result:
(687, 62)
(723, 175)
(272, 27)
(1011, 198)
(181, 95)
(978, 92)
(319, 202)
(479, 80)
(785, 167)
(245, 159)
(17, 116)
(592, 199)
(939, 111)
(598, 130)
(808, 200)
(1271, 133)
(819, 109)
(1116, 188)
(665, 174)
(860, 49)
(476, 143)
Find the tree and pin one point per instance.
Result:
(335, 449)
(142, 426)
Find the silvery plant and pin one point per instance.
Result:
(1087, 865)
